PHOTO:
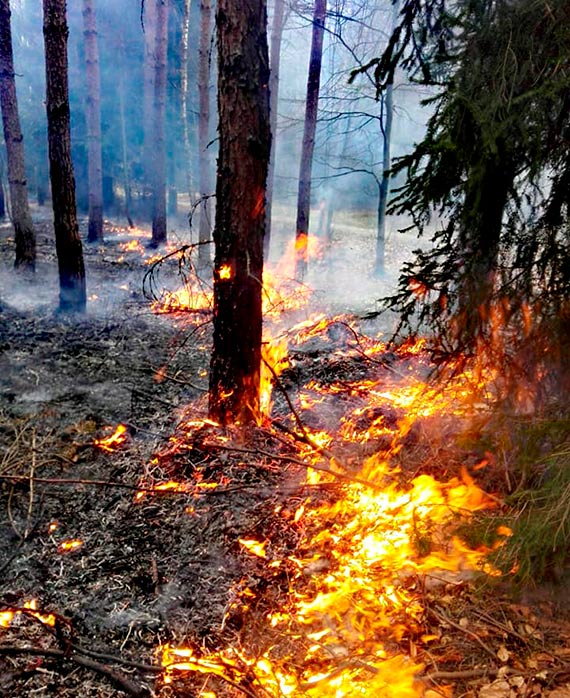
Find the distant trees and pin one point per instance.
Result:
(93, 118)
(243, 105)
(72, 293)
(24, 233)
(310, 126)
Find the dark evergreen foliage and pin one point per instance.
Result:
(492, 174)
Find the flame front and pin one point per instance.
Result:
(355, 583)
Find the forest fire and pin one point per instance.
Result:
(355, 583)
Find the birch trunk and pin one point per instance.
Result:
(93, 114)
(275, 58)
(205, 230)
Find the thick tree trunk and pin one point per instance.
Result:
(243, 105)
(149, 69)
(93, 114)
(311, 109)
(24, 233)
(72, 296)
(205, 230)
(159, 155)
(276, 38)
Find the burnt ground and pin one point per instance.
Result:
(167, 567)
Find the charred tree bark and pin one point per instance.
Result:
(24, 233)
(72, 296)
(245, 138)
(276, 38)
(93, 114)
(159, 155)
(205, 184)
(311, 110)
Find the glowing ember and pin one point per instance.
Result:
(111, 443)
(53, 526)
(69, 546)
(225, 272)
(29, 609)
(254, 547)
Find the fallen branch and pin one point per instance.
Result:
(118, 679)
(297, 461)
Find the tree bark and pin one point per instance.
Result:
(93, 114)
(149, 69)
(481, 226)
(72, 295)
(24, 233)
(311, 110)
(159, 154)
(184, 96)
(124, 147)
(276, 38)
(384, 188)
(205, 184)
(245, 139)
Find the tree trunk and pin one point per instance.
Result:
(311, 109)
(72, 296)
(205, 184)
(159, 155)
(184, 97)
(245, 139)
(481, 227)
(124, 150)
(24, 233)
(384, 188)
(149, 69)
(276, 37)
(93, 117)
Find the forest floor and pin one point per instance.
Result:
(124, 573)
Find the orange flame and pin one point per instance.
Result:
(30, 609)
(69, 546)
(111, 443)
